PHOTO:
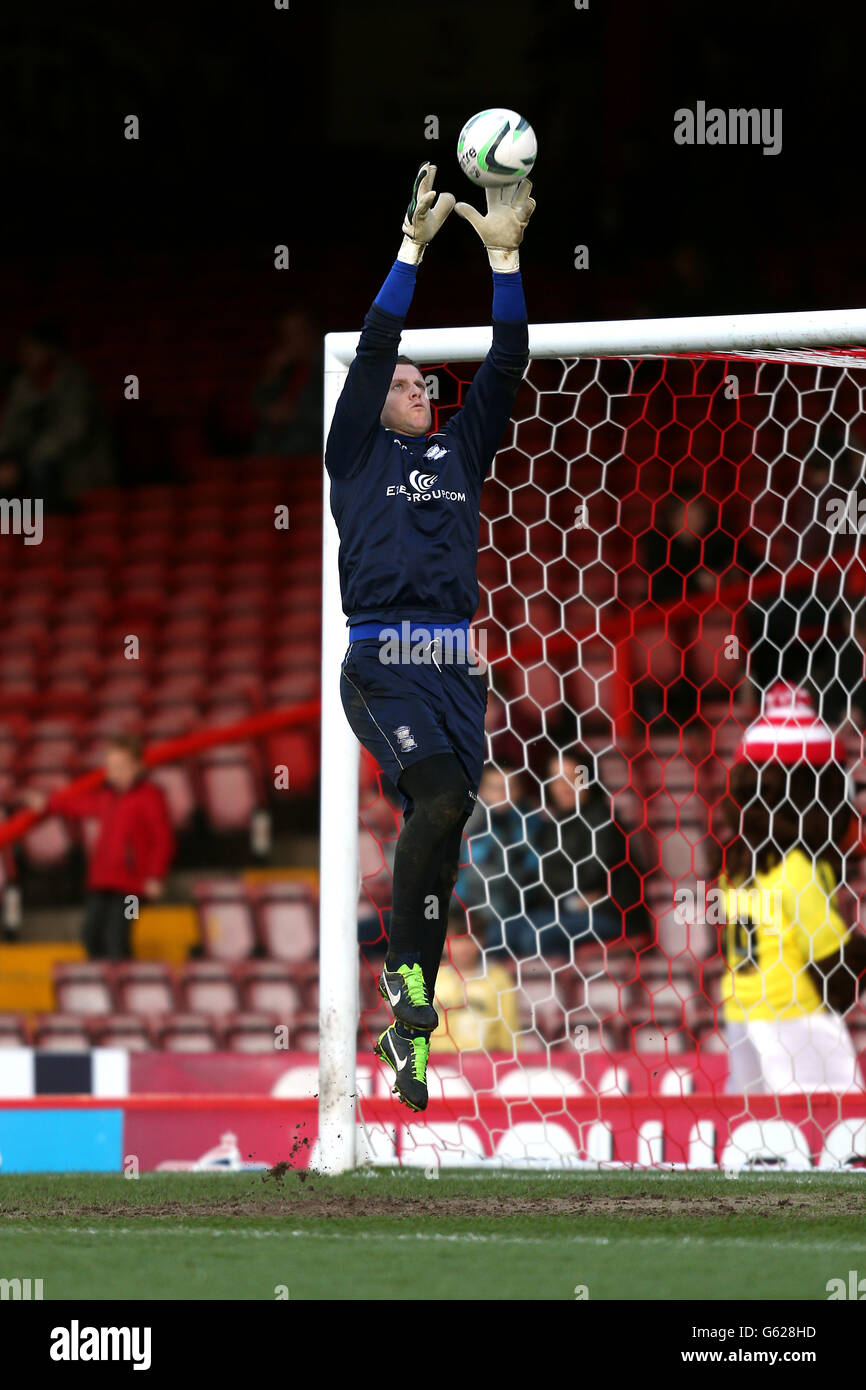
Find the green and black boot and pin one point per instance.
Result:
(408, 1059)
(406, 992)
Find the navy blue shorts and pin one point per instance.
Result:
(405, 711)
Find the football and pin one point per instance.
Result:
(496, 147)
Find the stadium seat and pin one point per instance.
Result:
(226, 921)
(291, 687)
(188, 1033)
(194, 595)
(286, 923)
(209, 987)
(305, 976)
(250, 1032)
(601, 997)
(268, 988)
(306, 1034)
(13, 1031)
(539, 1005)
(664, 1005)
(230, 788)
(126, 687)
(60, 1033)
(651, 1037)
(238, 657)
(121, 1030)
(145, 987)
(191, 658)
(231, 686)
(296, 750)
(186, 627)
(83, 987)
(49, 755)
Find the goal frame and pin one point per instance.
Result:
(340, 751)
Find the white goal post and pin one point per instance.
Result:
(339, 840)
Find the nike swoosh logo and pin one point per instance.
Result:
(393, 999)
(400, 1064)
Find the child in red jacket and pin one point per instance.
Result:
(133, 850)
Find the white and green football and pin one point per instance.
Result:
(496, 147)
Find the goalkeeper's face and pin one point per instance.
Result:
(407, 408)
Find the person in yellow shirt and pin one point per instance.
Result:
(476, 1003)
(792, 962)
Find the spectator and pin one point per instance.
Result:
(476, 1004)
(288, 399)
(500, 865)
(792, 961)
(589, 889)
(133, 850)
(53, 439)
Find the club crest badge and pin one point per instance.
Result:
(405, 738)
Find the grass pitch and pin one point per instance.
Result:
(383, 1234)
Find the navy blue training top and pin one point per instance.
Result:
(407, 507)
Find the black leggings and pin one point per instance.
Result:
(427, 859)
(107, 928)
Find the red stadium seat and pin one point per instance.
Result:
(286, 924)
(186, 627)
(190, 658)
(226, 921)
(269, 988)
(50, 755)
(230, 788)
(188, 1033)
(13, 1031)
(83, 987)
(306, 1035)
(540, 1006)
(145, 987)
(295, 750)
(171, 720)
(125, 688)
(250, 655)
(121, 1030)
(61, 1033)
(194, 595)
(209, 987)
(651, 1037)
(250, 1032)
(293, 687)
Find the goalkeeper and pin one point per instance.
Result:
(407, 507)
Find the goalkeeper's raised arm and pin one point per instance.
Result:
(366, 392)
(481, 423)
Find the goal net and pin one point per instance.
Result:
(670, 589)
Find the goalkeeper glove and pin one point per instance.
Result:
(424, 215)
(508, 210)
